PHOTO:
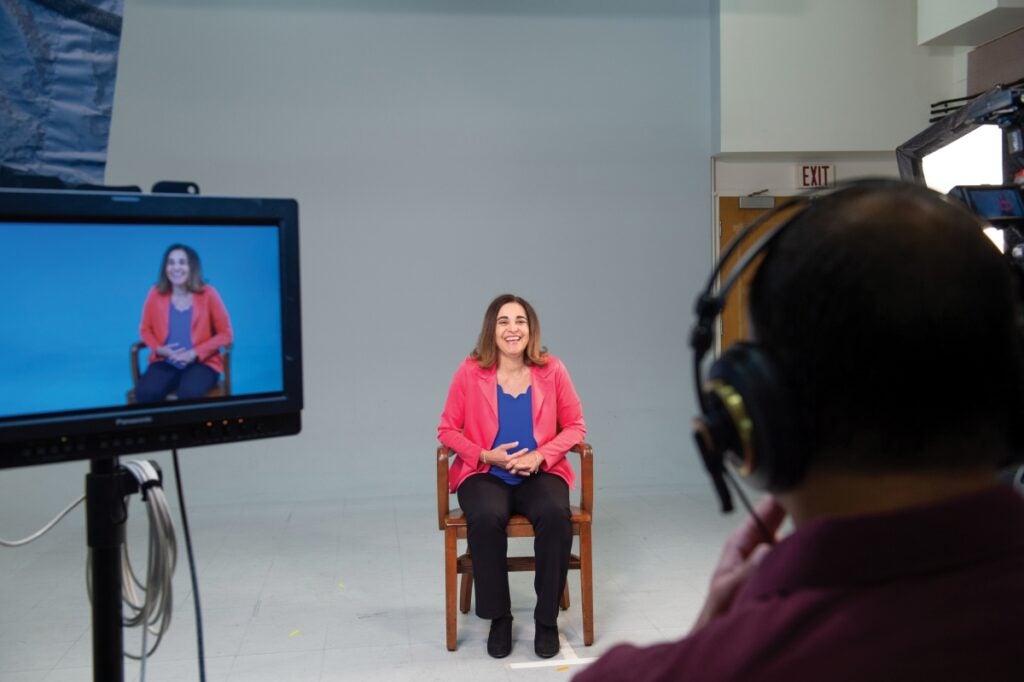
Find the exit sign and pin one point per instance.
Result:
(810, 175)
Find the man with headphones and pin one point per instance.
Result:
(881, 394)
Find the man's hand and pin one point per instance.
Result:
(743, 550)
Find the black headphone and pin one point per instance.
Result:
(743, 390)
(747, 417)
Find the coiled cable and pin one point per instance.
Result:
(150, 603)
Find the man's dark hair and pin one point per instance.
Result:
(896, 324)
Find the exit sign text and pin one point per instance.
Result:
(815, 175)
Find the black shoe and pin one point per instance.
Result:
(545, 641)
(499, 641)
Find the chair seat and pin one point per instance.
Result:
(518, 525)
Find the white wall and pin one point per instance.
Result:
(936, 17)
(966, 22)
(442, 152)
(828, 75)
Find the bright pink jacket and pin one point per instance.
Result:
(211, 326)
(469, 422)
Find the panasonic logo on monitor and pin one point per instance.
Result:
(132, 421)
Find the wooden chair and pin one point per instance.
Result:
(453, 523)
(220, 390)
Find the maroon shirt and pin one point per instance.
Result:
(931, 593)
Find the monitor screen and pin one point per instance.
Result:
(143, 322)
(996, 203)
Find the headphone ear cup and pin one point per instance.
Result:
(752, 420)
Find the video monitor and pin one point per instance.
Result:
(995, 204)
(141, 322)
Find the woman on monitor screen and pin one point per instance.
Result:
(511, 415)
(184, 325)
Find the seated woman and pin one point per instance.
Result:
(511, 415)
(184, 325)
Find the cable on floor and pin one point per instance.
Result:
(42, 531)
(191, 567)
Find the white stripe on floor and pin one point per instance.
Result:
(550, 663)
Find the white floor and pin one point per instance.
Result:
(353, 590)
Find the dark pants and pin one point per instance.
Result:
(487, 503)
(161, 378)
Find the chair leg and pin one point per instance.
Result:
(450, 585)
(467, 592)
(564, 602)
(587, 584)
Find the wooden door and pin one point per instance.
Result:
(731, 220)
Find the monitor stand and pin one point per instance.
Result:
(106, 486)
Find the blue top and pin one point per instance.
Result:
(179, 331)
(515, 423)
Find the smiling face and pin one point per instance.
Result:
(177, 268)
(511, 330)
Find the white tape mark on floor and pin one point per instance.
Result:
(566, 649)
(550, 663)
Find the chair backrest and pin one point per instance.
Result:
(586, 480)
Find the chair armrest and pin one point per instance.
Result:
(226, 355)
(133, 352)
(443, 453)
(586, 454)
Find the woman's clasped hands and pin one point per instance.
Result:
(523, 462)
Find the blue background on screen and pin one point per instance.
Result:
(73, 303)
(997, 203)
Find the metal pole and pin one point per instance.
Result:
(106, 514)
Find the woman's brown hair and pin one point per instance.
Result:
(486, 351)
(195, 270)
